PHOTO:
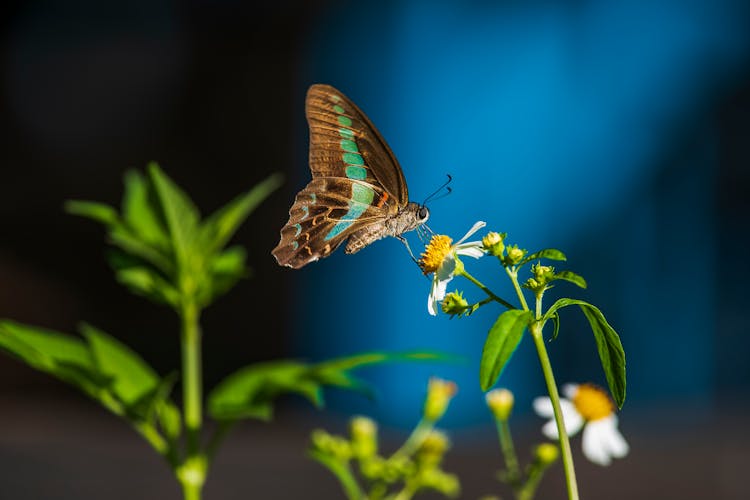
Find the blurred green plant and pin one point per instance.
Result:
(414, 467)
(164, 251)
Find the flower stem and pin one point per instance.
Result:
(191, 473)
(416, 438)
(485, 289)
(513, 274)
(549, 378)
(509, 452)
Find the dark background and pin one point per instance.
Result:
(615, 131)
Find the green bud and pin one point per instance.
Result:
(439, 394)
(500, 402)
(546, 453)
(335, 446)
(438, 480)
(514, 255)
(493, 243)
(543, 274)
(454, 304)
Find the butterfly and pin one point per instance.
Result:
(358, 192)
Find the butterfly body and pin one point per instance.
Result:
(358, 192)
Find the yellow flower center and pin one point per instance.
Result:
(592, 402)
(435, 252)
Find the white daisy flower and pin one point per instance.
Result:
(440, 257)
(590, 408)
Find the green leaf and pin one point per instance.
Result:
(501, 343)
(131, 244)
(226, 269)
(547, 253)
(179, 212)
(141, 212)
(556, 325)
(248, 392)
(219, 228)
(611, 353)
(170, 419)
(64, 356)
(147, 282)
(99, 212)
(570, 276)
(132, 378)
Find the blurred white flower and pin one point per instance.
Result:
(590, 408)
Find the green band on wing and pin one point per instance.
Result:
(355, 172)
(298, 228)
(346, 133)
(345, 121)
(362, 197)
(349, 145)
(353, 159)
(338, 109)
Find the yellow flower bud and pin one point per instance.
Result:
(500, 402)
(433, 447)
(543, 274)
(364, 432)
(514, 255)
(546, 453)
(439, 394)
(493, 243)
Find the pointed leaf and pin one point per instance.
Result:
(219, 228)
(611, 353)
(61, 355)
(132, 378)
(148, 283)
(570, 276)
(547, 253)
(141, 212)
(99, 212)
(179, 212)
(501, 343)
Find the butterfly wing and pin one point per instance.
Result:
(357, 180)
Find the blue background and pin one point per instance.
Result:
(614, 131)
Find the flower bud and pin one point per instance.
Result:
(454, 304)
(439, 394)
(500, 402)
(433, 448)
(543, 274)
(514, 255)
(546, 453)
(493, 243)
(364, 433)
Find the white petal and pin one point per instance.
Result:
(613, 440)
(447, 268)
(543, 406)
(471, 248)
(476, 227)
(569, 390)
(571, 418)
(594, 447)
(437, 293)
(550, 429)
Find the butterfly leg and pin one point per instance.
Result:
(408, 248)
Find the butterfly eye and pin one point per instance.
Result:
(423, 213)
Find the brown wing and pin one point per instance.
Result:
(324, 214)
(333, 120)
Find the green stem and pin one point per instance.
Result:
(509, 452)
(416, 438)
(513, 274)
(549, 378)
(486, 290)
(192, 472)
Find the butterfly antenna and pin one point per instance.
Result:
(443, 186)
